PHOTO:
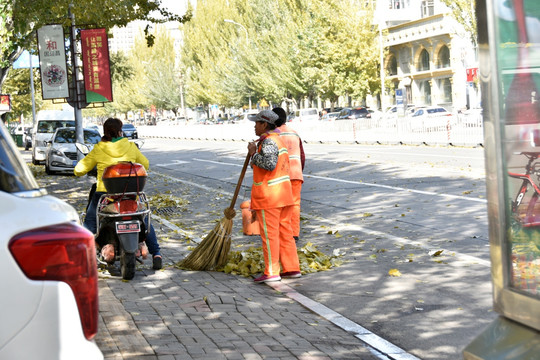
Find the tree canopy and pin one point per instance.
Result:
(279, 50)
(20, 19)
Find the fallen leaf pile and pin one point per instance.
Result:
(37, 171)
(160, 201)
(251, 261)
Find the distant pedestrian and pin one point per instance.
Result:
(272, 200)
(297, 158)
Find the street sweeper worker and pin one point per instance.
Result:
(297, 157)
(272, 200)
(112, 149)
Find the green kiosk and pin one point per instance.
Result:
(509, 72)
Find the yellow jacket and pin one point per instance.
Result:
(107, 153)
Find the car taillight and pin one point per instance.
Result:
(63, 252)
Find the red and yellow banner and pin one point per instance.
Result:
(96, 66)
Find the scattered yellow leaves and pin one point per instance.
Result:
(394, 272)
(437, 253)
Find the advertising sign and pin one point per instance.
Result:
(52, 62)
(472, 74)
(96, 66)
(5, 103)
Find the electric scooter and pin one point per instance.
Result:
(123, 214)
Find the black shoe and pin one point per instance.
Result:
(157, 262)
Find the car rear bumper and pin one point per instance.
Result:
(55, 329)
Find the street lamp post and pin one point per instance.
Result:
(247, 42)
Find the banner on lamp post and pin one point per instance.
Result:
(96, 66)
(5, 103)
(52, 62)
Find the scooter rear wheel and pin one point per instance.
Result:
(127, 265)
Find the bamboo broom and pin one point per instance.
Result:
(212, 251)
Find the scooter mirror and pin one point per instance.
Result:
(84, 149)
(139, 142)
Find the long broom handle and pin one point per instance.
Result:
(239, 184)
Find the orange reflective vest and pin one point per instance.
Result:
(291, 140)
(272, 189)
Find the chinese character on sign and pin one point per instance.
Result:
(51, 45)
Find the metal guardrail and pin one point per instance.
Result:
(454, 130)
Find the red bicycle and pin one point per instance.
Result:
(524, 209)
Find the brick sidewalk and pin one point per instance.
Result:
(178, 314)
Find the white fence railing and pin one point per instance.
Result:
(459, 130)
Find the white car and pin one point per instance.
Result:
(308, 114)
(49, 303)
(47, 122)
(61, 154)
(430, 118)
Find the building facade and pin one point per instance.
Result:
(429, 56)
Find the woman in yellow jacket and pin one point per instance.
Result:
(112, 149)
(272, 200)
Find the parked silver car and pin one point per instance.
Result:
(61, 154)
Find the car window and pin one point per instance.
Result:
(51, 126)
(15, 177)
(91, 137)
(310, 112)
(359, 111)
(65, 136)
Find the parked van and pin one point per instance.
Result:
(308, 114)
(47, 121)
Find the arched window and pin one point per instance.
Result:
(392, 66)
(443, 60)
(445, 89)
(423, 61)
(425, 90)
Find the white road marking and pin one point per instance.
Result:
(416, 154)
(174, 162)
(395, 188)
(218, 162)
(376, 342)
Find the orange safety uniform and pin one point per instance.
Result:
(272, 200)
(291, 140)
